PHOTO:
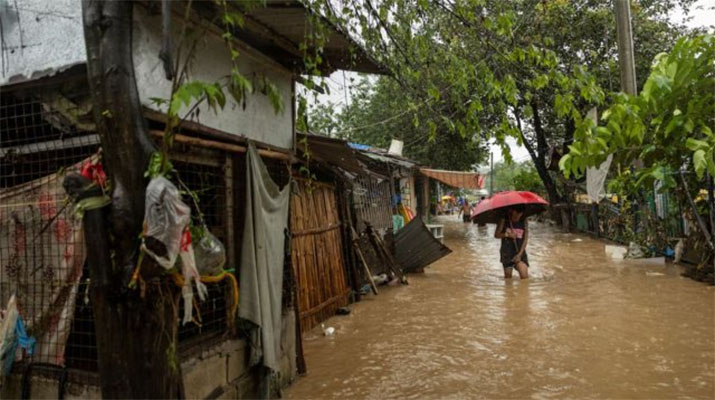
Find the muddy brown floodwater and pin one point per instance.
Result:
(583, 326)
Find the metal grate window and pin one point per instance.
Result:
(41, 246)
(206, 178)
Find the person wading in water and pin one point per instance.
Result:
(465, 211)
(513, 230)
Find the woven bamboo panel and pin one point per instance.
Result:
(316, 253)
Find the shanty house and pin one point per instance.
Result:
(46, 128)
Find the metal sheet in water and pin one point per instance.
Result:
(416, 248)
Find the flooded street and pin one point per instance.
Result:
(583, 326)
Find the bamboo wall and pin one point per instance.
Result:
(317, 253)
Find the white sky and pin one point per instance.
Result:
(702, 14)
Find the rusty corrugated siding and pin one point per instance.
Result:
(416, 248)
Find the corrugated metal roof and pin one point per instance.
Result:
(50, 38)
(288, 19)
(330, 151)
(416, 248)
(389, 159)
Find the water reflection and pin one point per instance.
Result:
(582, 326)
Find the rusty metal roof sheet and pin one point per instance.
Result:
(334, 152)
(280, 30)
(415, 247)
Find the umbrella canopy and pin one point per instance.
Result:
(491, 210)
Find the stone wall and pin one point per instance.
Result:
(220, 372)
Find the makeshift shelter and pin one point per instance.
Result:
(320, 226)
(341, 223)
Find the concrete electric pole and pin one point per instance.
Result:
(491, 175)
(626, 60)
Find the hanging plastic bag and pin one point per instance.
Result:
(8, 340)
(191, 274)
(210, 255)
(165, 217)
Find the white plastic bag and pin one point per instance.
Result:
(165, 217)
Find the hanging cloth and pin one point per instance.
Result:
(596, 178)
(262, 256)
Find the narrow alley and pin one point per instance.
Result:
(584, 326)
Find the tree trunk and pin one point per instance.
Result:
(540, 159)
(136, 335)
(538, 155)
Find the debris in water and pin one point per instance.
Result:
(577, 240)
(653, 260)
(652, 273)
(380, 279)
(615, 252)
(342, 311)
(634, 251)
(329, 331)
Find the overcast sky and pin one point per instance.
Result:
(702, 14)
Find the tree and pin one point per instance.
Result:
(376, 116)
(137, 329)
(528, 69)
(517, 176)
(667, 127)
(136, 335)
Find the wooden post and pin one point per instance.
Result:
(356, 246)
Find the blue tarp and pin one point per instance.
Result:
(358, 146)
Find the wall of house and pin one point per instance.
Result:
(42, 38)
(255, 118)
(39, 38)
(220, 372)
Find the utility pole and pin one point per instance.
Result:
(626, 60)
(627, 67)
(491, 175)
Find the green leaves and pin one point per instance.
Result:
(195, 91)
(668, 122)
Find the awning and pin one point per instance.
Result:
(330, 151)
(457, 179)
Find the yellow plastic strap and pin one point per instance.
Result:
(179, 281)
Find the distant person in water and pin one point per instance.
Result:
(465, 211)
(481, 199)
(513, 230)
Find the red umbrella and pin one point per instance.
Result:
(492, 210)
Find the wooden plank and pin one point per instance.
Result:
(356, 246)
(321, 229)
(51, 145)
(324, 304)
(232, 148)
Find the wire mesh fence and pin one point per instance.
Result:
(42, 260)
(206, 179)
(41, 241)
(656, 221)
